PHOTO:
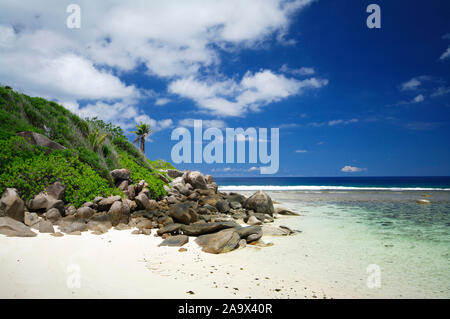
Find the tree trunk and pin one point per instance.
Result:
(143, 145)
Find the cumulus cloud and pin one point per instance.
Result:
(178, 41)
(232, 98)
(118, 113)
(352, 169)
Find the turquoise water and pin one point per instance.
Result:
(343, 232)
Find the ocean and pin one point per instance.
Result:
(349, 224)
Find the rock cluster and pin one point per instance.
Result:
(193, 207)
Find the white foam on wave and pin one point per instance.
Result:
(323, 188)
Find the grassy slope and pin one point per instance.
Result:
(83, 168)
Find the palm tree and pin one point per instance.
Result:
(96, 139)
(142, 131)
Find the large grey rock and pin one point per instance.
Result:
(235, 205)
(182, 189)
(43, 201)
(175, 241)
(221, 242)
(141, 223)
(46, 226)
(196, 179)
(120, 174)
(172, 200)
(99, 225)
(169, 229)
(223, 206)
(249, 233)
(53, 215)
(260, 202)
(213, 187)
(131, 192)
(209, 179)
(276, 231)
(84, 213)
(163, 178)
(206, 228)
(69, 226)
(123, 185)
(70, 210)
(106, 203)
(13, 228)
(142, 202)
(41, 140)
(235, 197)
(281, 210)
(31, 219)
(178, 180)
(252, 220)
(56, 190)
(119, 213)
(11, 205)
(183, 213)
(173, 173)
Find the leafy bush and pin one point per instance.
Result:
(161, 164)
(30, 170)
(83, 167)
(139, 173)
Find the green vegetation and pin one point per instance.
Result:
(94, 148)
(139, 172)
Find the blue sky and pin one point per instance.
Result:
(373, 101)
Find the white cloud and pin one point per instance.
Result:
(288, 125)
(412, 84)
(440, 91)
(446, 54)
(419, 98)
(231, 98)
(300, 71)
(162, 101)
(415, 83)
(175, 40)
(205, 123)
(342, 122)
(119, 113)
(301, 151)
(352, 169)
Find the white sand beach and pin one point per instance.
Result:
(119, 264)
(328, 259)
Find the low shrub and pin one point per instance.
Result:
(30, 170)
(138, 173)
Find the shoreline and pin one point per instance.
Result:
(110, 268)
(119, 264)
